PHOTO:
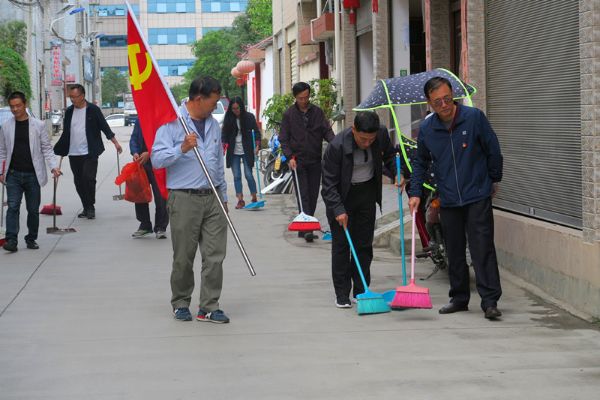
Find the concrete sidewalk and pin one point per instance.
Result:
(88, 317)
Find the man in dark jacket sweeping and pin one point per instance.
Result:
(352, 170)
(303, 129)
(467, 165)
(82, 142)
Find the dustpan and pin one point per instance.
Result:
(54, 230)
(303, 222)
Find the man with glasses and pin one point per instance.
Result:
(81, 140)
(467, 165)
(303, 129)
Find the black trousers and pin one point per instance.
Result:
(84, 170)
(477, 221)
(361, 207)
(309, 178)
(142, 210)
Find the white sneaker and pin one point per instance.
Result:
(343, 305)
(161, 235)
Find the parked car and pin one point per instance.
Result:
(115, 120)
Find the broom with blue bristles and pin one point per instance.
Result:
(367, 302)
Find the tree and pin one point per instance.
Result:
(217, 52)
(14, 74)
(216, 55)
(114, 84)
(260, 13)
(13, 34)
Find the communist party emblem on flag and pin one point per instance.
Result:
(153, 99)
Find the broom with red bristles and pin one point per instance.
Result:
(411, 295)
(303, 222)
(52, 208)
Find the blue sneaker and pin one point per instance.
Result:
(182, 314)
(217, 316)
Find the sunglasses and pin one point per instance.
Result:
(445, 100)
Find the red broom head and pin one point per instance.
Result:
(304, 226)
(412, 296)
(48, 209)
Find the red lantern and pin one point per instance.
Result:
(375, 6)
(236, 73)
(351, 6)
(245, 66)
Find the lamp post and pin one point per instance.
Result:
(65, 62)
(71, 12)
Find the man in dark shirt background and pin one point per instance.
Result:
(303, 129)
(24, 146)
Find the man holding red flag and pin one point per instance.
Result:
(194, 211)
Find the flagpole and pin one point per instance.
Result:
(188, 131)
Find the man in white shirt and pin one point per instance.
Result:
(82, 142)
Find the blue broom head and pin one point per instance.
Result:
(255, 205)
(371, 303)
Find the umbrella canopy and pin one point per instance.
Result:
(407, 90)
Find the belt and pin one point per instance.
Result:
(198, 192)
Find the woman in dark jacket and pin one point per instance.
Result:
(237, 141)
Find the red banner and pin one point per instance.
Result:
(153, 100)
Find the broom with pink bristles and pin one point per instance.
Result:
(411, 295)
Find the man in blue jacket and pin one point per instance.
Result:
(140, 154)
(467, 164)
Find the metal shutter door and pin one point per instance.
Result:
(533, 103)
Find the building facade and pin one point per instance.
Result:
(170, 26)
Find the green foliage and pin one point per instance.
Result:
(216, 55)
(13, 34)
(114, 84)
(180, 91)
(217, 52)
(260, 13)
(14, 74)
(275, 108)
(323, 94)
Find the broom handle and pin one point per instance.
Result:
(298, 187)
(360, 272)
(401, 208)
(256, 163)
(118, 172)
(412, 248)
(238, 241)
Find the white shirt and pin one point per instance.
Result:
(78, 145)
(238, 150)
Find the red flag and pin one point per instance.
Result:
(153, 99)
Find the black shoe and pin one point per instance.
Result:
(10, 245)
(32, 244)
(83, 214)
(492, 313)
(301, 234)
(453, 307)
(309, 237)
(91, 214)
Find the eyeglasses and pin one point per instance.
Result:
(445, 100)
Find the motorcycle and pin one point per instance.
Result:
(275, 165)
(56, 119)
(429, 227)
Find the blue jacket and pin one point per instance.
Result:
(466, 159)
(136, 141)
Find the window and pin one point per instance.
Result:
(171, 6)
(113, 41)
(113, 10)
(171, 35)
(215, 6)
(174, 67)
